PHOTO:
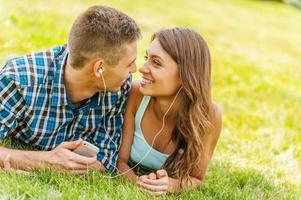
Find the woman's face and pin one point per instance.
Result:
(160, 74)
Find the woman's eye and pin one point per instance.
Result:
(156, 62)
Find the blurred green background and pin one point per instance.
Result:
(256, 52)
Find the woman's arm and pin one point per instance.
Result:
(209, 144)
(160, 183)
(128, 133)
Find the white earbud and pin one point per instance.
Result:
(100, 70)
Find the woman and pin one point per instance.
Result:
(176, 86)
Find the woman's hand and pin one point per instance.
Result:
(157, 183)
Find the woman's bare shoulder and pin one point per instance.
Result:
(217, 119)
(135, 97)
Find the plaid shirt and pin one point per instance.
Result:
(35, 108)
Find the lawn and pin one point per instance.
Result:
(256, 52)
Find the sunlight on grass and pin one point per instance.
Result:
(256, 51)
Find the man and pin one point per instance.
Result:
(53, 100)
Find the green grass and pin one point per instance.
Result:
(256, 51)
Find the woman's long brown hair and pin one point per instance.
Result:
(189, 50)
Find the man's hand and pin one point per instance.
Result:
(64, 158)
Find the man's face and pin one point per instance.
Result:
(116, 75)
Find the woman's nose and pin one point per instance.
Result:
(144, 69)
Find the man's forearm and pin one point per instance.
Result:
(24, 160)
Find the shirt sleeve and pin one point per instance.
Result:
(11, 105)
(109, 136)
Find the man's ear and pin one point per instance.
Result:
(98, 67)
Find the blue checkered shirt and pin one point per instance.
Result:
(35, 108)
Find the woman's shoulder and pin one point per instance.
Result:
(135, 90)
(135, 97)
(217, 110)
(216, 118)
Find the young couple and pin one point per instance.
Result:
(160, 132)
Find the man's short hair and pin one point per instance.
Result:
(100, 32)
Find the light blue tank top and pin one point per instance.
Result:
(140, 147)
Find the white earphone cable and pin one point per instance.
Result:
(116, 146)
(104, 116)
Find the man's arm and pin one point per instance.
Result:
(12, 112)
(60, 158)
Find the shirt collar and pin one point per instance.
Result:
(59, 96)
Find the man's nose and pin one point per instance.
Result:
(133, 69)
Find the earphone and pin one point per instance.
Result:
(100, 71)
(151, 146)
